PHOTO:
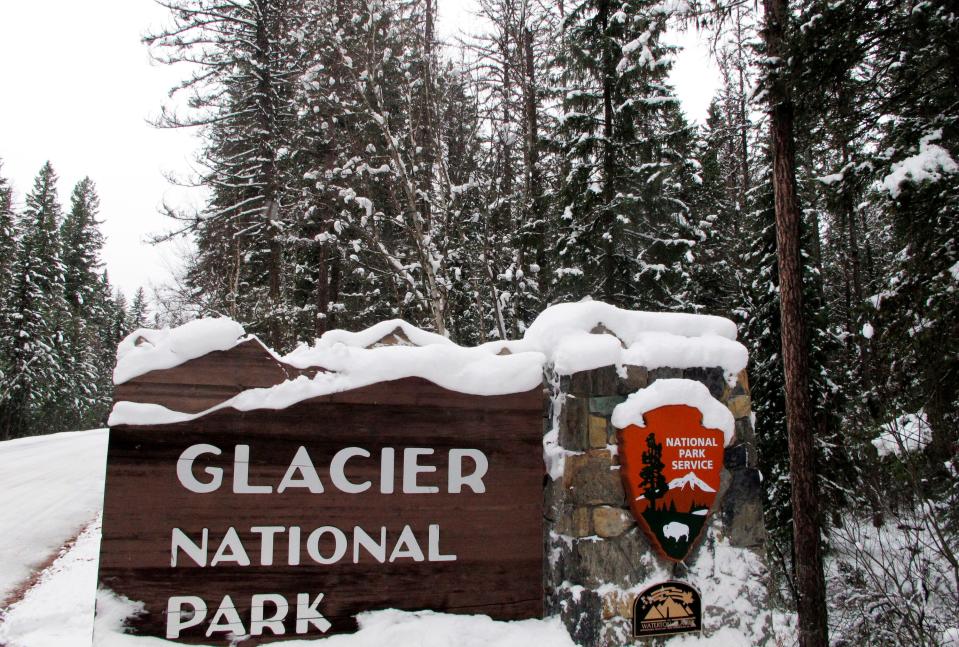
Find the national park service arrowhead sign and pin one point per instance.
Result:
(671, 469)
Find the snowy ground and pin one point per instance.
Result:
(36, 521)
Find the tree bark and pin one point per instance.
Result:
(810, 585)
(609, 159)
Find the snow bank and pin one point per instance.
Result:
(58, 610)
(375, 333)
(561, 337)
(50, 488)
(651, 339)
(146, 350)
(466, 370)
(675, 391)
(931, 163)
(403, 629)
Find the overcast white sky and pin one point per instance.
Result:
(79, 87)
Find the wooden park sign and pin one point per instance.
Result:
(671, 471)
(242, 527)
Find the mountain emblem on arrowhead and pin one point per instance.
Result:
(671, 470)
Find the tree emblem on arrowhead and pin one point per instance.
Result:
(671, 470)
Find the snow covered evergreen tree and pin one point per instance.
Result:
(137, 316)
(626, 234)
(88, 391)
(33, 315)
(242, 89)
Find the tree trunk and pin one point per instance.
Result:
(609, 160)
(810, 585)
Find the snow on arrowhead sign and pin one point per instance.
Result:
(246, 526)
(671, 469)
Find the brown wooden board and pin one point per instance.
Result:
(496, 535)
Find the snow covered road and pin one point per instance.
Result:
(51, 487)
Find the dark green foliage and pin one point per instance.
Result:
(57, 342)
(626, 232)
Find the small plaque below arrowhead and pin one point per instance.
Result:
(666, 609)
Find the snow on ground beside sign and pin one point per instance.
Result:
(58, 610)
(50, 488)
(675, 391)
(562, 336)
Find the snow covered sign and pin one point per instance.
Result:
(253, 498)
(672, 438)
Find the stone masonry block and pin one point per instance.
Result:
(581, 384)
(713, 378)
(664, 373)
(740, 405)
(572, 424)
(604, 381)
(637, 377)
(742, 510)
(611, 522)
(604, 405)
(591, 480)
(598, 438)
(744, 431)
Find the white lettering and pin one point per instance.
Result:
(338, 465)
(434, 546)
(231, 542)
(475, 480)
(387, 460)
(226, 619)
(266, 542)
(307, 614)
(376, 550)
(178, 619)
(407, 546)
(293, 550)
(313, 545)
(241, 473)
(184, 469)
(258, 620)
(181, 541)
(411, 468)
(309, 479)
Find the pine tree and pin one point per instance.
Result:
(8, 237)
(82, 348)
(627, 236)
(33, 315)
(243, 85)
(137, 316)
(8, 246)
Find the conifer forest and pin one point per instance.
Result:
(358, 167)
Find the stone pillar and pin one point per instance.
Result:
(598, 559)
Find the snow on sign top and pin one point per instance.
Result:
(662, 393)
(146, 350)
(570, 337)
